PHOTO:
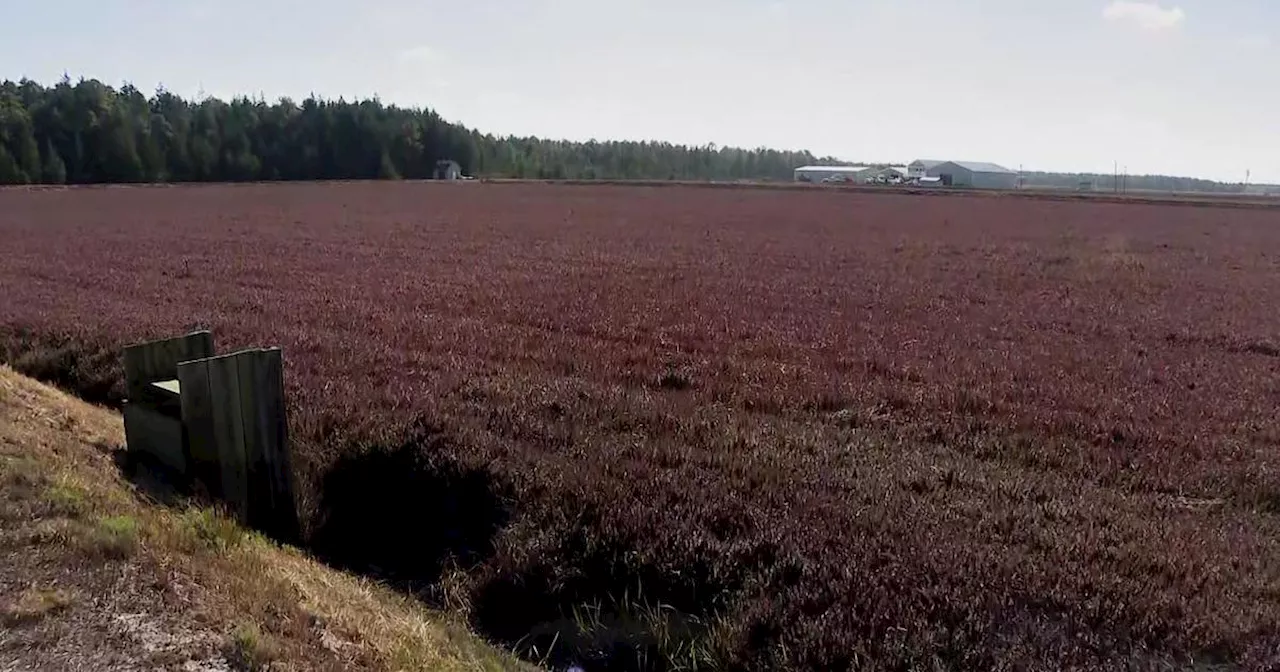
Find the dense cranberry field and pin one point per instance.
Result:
(750, 428)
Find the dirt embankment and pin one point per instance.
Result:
(96, 573)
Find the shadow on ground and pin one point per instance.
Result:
(402, 514)
(152, 477)
(553, 590)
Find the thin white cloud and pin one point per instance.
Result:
(1254, 43)
(420, 54)
(201, 11)
(1149, 16)
(426, 67)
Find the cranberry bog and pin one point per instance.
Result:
(658, 428)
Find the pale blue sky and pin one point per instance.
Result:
(1189, 87)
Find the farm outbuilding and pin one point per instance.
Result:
(447, 169)
(886, 173)
(974, 174)
(920, 167)
(820, 173)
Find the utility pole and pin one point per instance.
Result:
(1115, 178)
(1124, 183)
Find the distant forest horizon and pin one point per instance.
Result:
(88, 132)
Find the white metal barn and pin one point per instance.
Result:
(920, 167)
(974, 174)
(820, 173)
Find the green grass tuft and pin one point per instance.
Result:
(114, 537)
(207, 529)
(248, 648)
(67, 500)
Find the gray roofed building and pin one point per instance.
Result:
(975, 174)
(982, 167)
(920, 167)
(821, 173)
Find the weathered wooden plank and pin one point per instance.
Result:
(271, 507)
(134, 370)
(146, 363)
(229, 432)
(280, 458)
(255, 439)
(281, 519)
(155, 434)
(199, 434)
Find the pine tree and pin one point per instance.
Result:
(10, 173)
(54, 171)
(387, 169)
(27, 154)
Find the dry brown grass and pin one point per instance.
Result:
(271, 603)
(34, 604)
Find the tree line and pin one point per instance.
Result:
(1100, 182)
(88, 132)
